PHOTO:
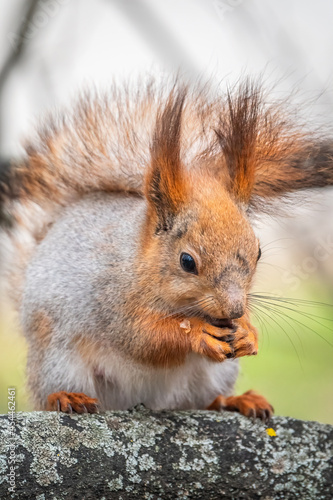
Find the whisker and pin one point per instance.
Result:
(183, 310)
(275, 241)
(271, 296)
(274, 266)
(297, 311)
(285, 332)
(296, 303)
(261, 322)
(303, 325)
(281, 315)
(189, 308)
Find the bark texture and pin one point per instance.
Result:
(163, 455)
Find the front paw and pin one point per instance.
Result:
(214, 342)
(246, 339)
(240, 339)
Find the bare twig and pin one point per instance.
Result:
(17, 52)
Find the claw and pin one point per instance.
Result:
(262, 414)
(252, 414)
(71, 402)
(250, 404)
(96, 408)
(230, 355)
(229, 338)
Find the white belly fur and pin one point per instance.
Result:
(120, 384)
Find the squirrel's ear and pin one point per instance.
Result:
(267, 153)
(237, 134)
(165, 186)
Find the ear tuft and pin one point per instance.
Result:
(237, 134)
(268, 152)
(165, 186)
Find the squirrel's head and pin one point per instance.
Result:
(201, 247)
(202, 187)
(204, 255)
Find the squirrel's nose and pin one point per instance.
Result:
(235, 302)
(237, 312)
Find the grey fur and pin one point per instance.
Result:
(79, 277)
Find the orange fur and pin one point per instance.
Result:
(257, 150)
(162, 342)
(249, 404)
(166, 180)
(202, 163)
(69, 402)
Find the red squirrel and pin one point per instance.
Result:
(131, 245)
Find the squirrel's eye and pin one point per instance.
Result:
(259, 254)
(188, 263)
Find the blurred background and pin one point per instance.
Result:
(51, 48)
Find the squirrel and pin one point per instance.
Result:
(131, 251)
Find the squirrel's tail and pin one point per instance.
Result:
(76, 153)
(95, 147)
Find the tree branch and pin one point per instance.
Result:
(168, 455)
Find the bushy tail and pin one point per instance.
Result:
(102, 144)
(92, 148)
(107, 142)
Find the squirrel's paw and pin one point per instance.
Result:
(246, 339)
(249, 404)
(223, 343)
(214, 342)
(71, 402)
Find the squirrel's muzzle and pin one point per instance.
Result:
(233, 302)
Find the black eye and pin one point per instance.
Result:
(188, 263)
(259, 254)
